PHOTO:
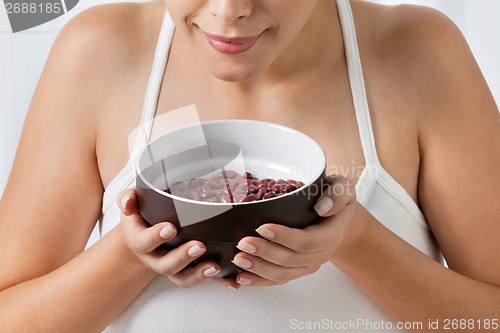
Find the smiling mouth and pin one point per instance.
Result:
(231, 45)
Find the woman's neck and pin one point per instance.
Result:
(317, 47)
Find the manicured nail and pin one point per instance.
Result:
(209, 272)
(242, 262)
(195, 251)
(230, 287)
(244, 281)
(167, 232)
(266, 233)
(246, 247)
(125, 199)
(324, 205)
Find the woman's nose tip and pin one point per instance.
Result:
(229, 11)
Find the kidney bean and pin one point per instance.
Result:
(279, 188)
(232, 183)
(242, 181)
(239, 197)
(248, 175)
(268, 195)
(193, 194)
(177, 193)
(241, 187)
(177, 186)
(229, 186)
(204, 188)
(228, 174)
(221, 192)
(240, 192)
(263, 182)
(252, 188)
(193, 182)
(250, 197)
(260, 193)
(270, 185)
(208, 194)
(213, 185)
(215, 179)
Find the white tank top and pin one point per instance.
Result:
(323, 300)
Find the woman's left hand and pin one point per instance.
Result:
(285, 254)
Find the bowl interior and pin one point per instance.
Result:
(264, 149)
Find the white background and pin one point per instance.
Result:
(22, 56)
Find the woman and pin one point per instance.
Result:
(425, 130)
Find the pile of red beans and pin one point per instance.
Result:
(229, 186)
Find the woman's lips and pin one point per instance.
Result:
(231, 45)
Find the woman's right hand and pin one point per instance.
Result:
(144, 241)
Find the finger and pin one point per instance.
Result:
(267, 270)
(127, 201)
(276, 253)
(193, 276)
(305, 240)
(228, 283)
(143, 239)
(247, 279)
(173, 261)
(340, 193)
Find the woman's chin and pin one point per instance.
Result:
(235, 73)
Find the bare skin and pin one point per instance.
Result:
(436, 129)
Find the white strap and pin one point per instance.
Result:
(357, 83)
(154, 85)
(126, 177)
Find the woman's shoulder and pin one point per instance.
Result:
(403, 26)
(102, 59)
(417, 43)
(419, 53)
(110, 37)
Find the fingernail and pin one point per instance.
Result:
(246, 247)
(209, 272)
(265, 232)
(242, 262)
(125, 199)
(324, 205)
(195, 251)
(167, 232)
(244, 281)
(230, 287)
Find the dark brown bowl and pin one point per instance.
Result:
(266, 150)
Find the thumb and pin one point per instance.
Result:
(127, 201)
(339, 194)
